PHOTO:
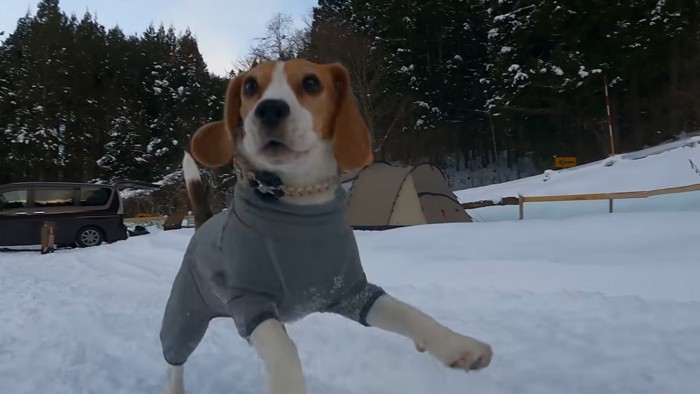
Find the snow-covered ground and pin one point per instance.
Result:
(638, 171)
(660, 167)
(577, 301)
(599, 304)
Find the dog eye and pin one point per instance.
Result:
(251, 87)
(311, 84)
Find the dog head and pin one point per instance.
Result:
(296, 118)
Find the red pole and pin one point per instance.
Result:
(607, 105)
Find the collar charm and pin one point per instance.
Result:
(267, 185)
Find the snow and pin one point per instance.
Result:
(656, 168)
(593, 303)
(659, 167)
(520, 76)
(582, 72)
(129, 193)
(151, 145)
(493, 33)
(599, 304)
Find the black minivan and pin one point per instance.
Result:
(85, 214)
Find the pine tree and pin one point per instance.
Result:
(79, 102)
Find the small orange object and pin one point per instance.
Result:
(564, 162)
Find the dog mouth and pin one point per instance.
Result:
(277, 149)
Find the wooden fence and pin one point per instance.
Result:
(521, 200)
(145, 219)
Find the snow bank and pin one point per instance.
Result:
(656, 168)
(660, 167)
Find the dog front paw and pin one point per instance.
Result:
(457, 351)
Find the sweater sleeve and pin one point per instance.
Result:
(357, 303)
(249, 310)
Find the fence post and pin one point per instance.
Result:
(521, 207)
(610, 206)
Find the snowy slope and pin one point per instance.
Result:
(654, 168)
(601, 304)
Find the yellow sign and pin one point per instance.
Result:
(564, 162)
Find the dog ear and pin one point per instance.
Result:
(352, 144)
(214, 144)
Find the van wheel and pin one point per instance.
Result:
(89, 236)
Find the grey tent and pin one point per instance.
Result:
(384, 196)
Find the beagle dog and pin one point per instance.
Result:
(283, 249)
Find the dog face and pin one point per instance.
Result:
(288, 115)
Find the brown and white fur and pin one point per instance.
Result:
(310, 133)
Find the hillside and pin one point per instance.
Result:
(661, 167)
(665, 166)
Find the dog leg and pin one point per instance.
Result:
(175, 383)
(452, 349)
(279, 353)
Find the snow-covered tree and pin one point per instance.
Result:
(80, 102)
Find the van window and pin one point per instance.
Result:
(13, 199)
(94, 196)
(54, 198)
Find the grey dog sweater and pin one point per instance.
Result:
(265, 259)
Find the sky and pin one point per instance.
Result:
(224, 29)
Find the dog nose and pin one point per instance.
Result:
(272, 112)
